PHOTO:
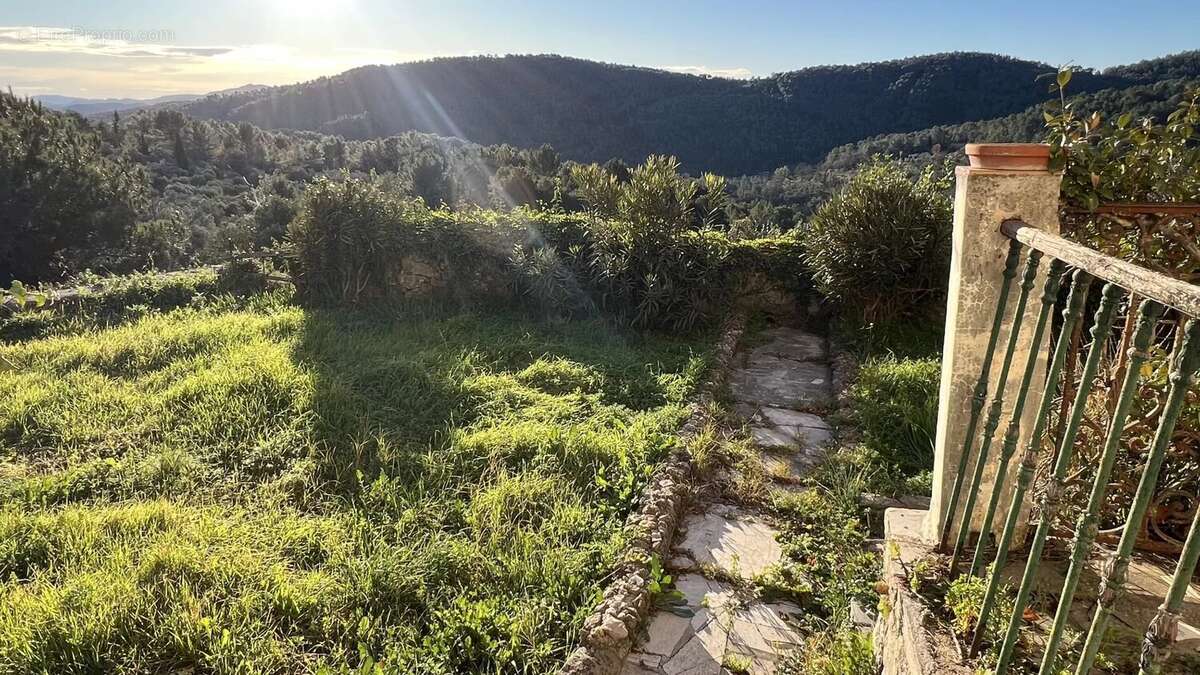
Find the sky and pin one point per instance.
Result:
(131, 48)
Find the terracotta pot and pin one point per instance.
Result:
(1009, 156)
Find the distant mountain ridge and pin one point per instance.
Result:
(592, 111)
(98, 106)
(93, 106)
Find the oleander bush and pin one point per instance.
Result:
(880, 247)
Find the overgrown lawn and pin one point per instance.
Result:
(255, 487)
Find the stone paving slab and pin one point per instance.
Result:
(778, 417)
(738, 543)
(783, 383)
(788, 467)
(760, 632)
(789, 343)
(803, 439)
(721, 624)
(775, 392)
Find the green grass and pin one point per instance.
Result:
(895, 402)
(114, 300)
(255, 487)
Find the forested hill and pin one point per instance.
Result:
(1154, 100)
(594, 111)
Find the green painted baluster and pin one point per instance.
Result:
(1086, 527)
(1050, 501)
(1053, 281)
(1161, 633)
(979, 397)
(993, 418)
(1117, 567)
(1009, 447)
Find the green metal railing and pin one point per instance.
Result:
(1158, 293)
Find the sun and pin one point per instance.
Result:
(309, 9)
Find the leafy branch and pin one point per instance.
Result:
(1123, 159)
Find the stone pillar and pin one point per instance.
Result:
(1004, 181)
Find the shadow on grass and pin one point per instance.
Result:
(390, 384)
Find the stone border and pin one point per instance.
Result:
(904, 641)
(608, 634)
(843, 370)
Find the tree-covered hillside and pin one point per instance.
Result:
(165, 189)
(593, 111)
(789, 194)
(161, 189)
(1149, 100)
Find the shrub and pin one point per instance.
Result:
(776, 261)
(904, 338)
(1123, 159)
(340, 239)
(350, 239)
(880, 247)
(895, 401)
(652, 259)
(242, 277)
(674, 282)
(1126, 159)
(648, 254)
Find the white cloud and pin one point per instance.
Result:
(117, 43)
(731, 73)
(143, 63)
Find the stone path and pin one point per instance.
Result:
(780, 389)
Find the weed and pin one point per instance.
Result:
(831, 652)
(739, 664)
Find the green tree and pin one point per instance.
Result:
(61, 201)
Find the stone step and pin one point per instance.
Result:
(738, 543)
(789, 343)
(783, 383)
(716, 625)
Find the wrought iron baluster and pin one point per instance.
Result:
(1101, 325)
(1085, 529)
(979, 396)
(1009, 446)
(1117, 567)
(1053, 281)
(993, 418)
(1162, 631)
